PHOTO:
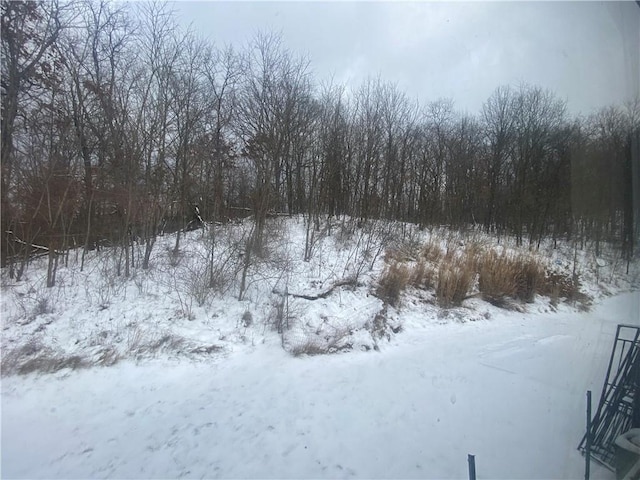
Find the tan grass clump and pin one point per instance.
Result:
(456, 276)
(392, 282)
(510, 275)
(423, 275)
(503, 278)
(431, 251)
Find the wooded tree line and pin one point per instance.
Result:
(116, 124)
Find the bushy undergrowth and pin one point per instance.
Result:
(455, 279)
(431, 251)
(423, 275)
(455, 271)
(392, 282)
(316, 304)
(510, 275)
(36, 357)
(324, 340)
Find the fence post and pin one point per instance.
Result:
(587, 449)
(472, 466)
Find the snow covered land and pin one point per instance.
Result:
(313, 372)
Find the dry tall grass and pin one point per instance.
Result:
(510, 275)
(455, 279)
(432, 250)
(451, 270)
(423, 275)
(392, 282)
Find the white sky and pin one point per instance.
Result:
(586, 52)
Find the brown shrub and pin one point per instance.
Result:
(422, 275)
(530, 280)
(507, 275)
(51, 364)
(310, 347)
(392, 282)
(503, 278)
(166, 343)
(557, 285)
(476, 249)
(34, 357)
(474, 253)
(497, 275)
(336, 340)
(449, 255)
(392, 255)
(432, 251)
(455, 279)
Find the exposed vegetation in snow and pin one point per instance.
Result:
(360, 288)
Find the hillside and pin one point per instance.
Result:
(186, 304)
(313, 373)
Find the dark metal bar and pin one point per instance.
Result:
(587, 451)
(613, 354)
(472, 466)
(615, 411)
(605, 388)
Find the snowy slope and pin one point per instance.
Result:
(509, 390)
(168, 310)
(199, 383)
(95, 316)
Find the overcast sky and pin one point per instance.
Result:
(587, 53)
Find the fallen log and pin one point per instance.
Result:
(345, 282)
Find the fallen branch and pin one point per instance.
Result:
(325, 294)
(32, 245)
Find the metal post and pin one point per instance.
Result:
(472, 466)
(587, 450)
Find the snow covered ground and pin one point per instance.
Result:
(196, 383)
(510, 390)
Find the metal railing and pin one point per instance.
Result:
(619, 406)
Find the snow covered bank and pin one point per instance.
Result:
(509, 390)
(307, 296)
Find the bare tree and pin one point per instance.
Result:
(271, 115)
(498, 118)
(29, 33)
